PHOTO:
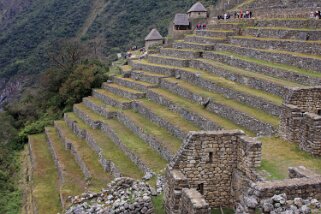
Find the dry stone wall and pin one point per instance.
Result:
(207, 162)
(301, 119)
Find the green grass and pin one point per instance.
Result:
(219, 98)
(242, 5)
(111, 151)
(167, 140)
(287, 68)
(123, 88)
(225, 210)
(158, 204)
(73, 178)
(99, 178)
(275, 39)
(224, 83)
(100, 103)
(207, 37)
(280, 154)
(126, 68)
(44, 177)
(283, 28)
(137, 82)
(192, 106)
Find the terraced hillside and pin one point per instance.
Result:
(234, 75)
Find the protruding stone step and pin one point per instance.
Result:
(147, 76)
(111, 157)
(132, 83)
(255, 80)
(100, 107)
(45, 193)
(181, 53)
(204, 39)
(112, 99)
(215, 33)
(302, 67)
(253, 97)
(309, 47)
(192, 45)
(159, 59)
(71, 179)
(136, 149)
(171, 121)
(84, 156)
(283, 33)
(243, 115)
(123, 91)
(157, 137)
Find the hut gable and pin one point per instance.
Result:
(181, 19)
(197, 7)
(153, 35)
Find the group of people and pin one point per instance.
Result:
(237, 15)
(316, 14)
(201, 27)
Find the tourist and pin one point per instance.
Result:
(198, 27)
(204, 26)
(317, 14)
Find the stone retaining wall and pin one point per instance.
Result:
(232, 114)
(192, 202)
(149, 139)
(202, 40)
(158, 70)
(132, 95)
(288, 23)
(131, 84)
(101, 110)
(180, 53)
(253, 82)
(293, 46)
(217, 34)
(112, 102)
(148, 113)
(191, 116)
(69, 145)
(141, 76)
(305, 63)
(168, 61)
(195, 46)
(108, 165)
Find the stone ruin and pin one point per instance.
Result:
(218, 169)
(301, 119)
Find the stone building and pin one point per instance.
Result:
(217, 164)
(197, 11)
(153, 38)
(301, 119)
(181, 22)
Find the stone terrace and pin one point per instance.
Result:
(234, 75)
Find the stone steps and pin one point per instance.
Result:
(191, 111)
(292, 66)
(123, 91)
(134, 84)
(240, 114)
(283, 33)
(44, 184)
(71, 179)
(148, 77)
(111, 156)
(157, 137)
(308, 47)
(100, 107)
(164, 117)
(181, 53)
(215, 33)
(159, 59)
(85, 157)
(112, 99)
(136, 149)
(192, 45)
(230, 89)
(203, 39)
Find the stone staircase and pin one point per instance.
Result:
(235, 75)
